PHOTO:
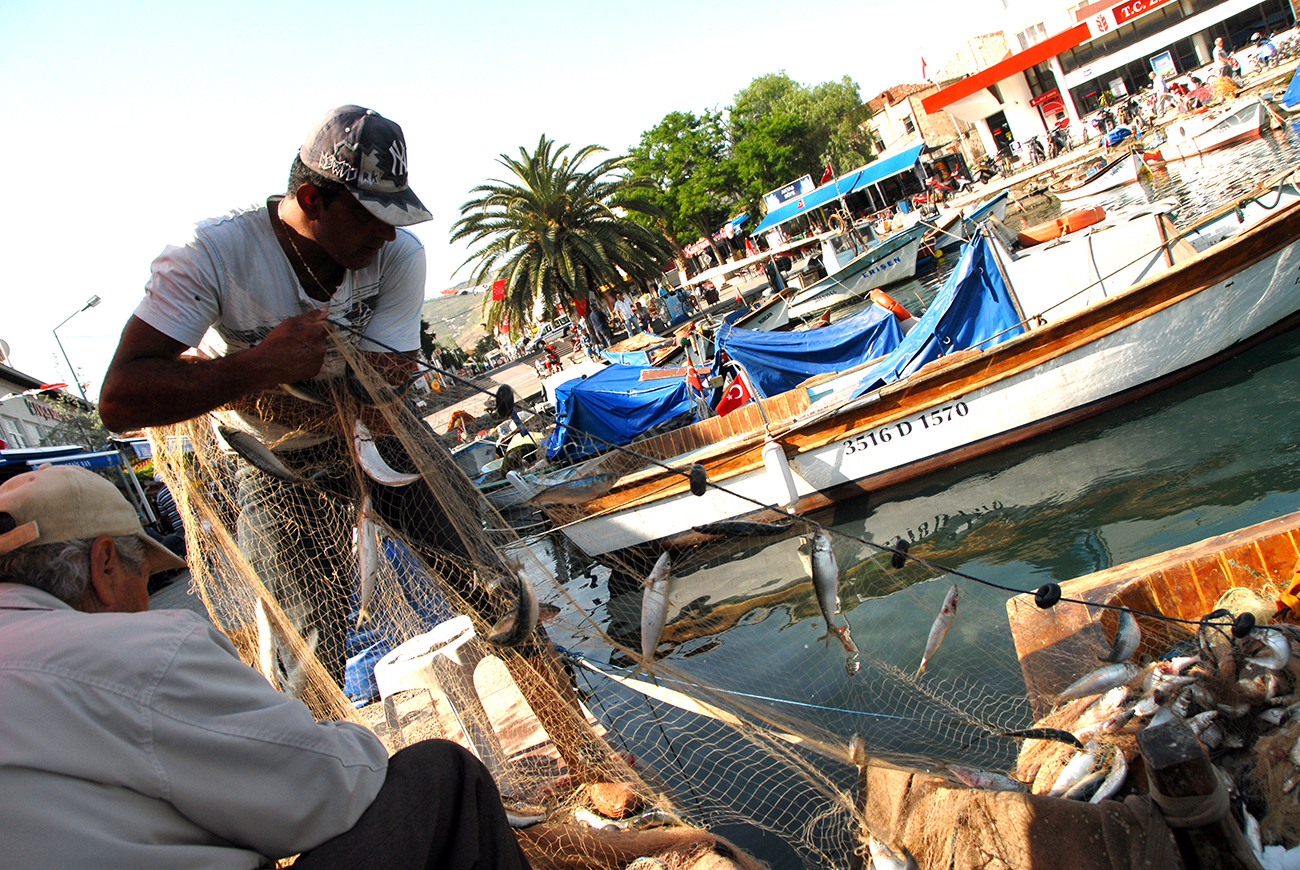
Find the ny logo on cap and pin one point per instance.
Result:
(398, 150)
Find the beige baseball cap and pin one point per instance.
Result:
(66, 503)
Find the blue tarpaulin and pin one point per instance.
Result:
(614, 405)
(1292, 95)
(780, 361)
(974, 308)
(844, 185)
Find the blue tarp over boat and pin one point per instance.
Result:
(842, 186)
(615, 406)
(780, 361)
(974, 308)
(1292, 95)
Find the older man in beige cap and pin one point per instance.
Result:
(134, 739)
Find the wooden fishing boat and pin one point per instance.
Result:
(1218, 128)
(1164, 312)
(884, 263)
(1097, 179)
(1184, 583)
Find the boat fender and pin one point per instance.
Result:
(699, 479)
(1047, 595)
(1081, 218)
(778, 468)
(885, 301)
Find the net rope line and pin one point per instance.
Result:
(883, 548)
(1274, 184)
(822, 824)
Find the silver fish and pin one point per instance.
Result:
(266, 645)
(1277, 650)
(858, 750)
(1084, 787)
(303, 391)
(1105, 677)
(1080, 765)
(372, 463)
(1114, 778)
(938, 631)
(885, 858)
(977, 778)
(578, 491)
(367, 556)
(1128, 636)
(826, 584)
(654, 609)
(257, 454)
(518, 624)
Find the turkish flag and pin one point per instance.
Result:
(499, 290)
(827, 175)
(736, 395)
(693, 379)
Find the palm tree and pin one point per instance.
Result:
(560, 231)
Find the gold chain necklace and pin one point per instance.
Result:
(288, 234)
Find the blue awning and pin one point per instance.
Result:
(845, 184)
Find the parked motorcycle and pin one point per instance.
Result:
(985, 170)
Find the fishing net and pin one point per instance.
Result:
(748, 718)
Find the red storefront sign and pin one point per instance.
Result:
(1124, 12)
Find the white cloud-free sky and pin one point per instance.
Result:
(126, 122)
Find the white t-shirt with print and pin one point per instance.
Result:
(223, 289)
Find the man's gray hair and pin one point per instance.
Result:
(63, 569)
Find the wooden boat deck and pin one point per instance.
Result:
(1058, 645)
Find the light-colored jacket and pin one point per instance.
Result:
(141, 741)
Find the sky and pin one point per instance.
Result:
(128, 122)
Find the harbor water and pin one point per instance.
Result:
(1202, 458)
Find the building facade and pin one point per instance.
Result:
(27, 416)
(1062, 62)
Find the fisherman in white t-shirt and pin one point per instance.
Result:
(253, 290)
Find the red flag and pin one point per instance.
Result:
(740, 299)
(499, 290)
(693, 379)
(923, 78)
(736, 395)
(827, 175)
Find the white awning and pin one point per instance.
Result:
(976, 107)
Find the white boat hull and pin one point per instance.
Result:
(889, 267)
(1122, 172)
(1137, 357)
(1196, 136)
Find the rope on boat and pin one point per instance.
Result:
(894, 552)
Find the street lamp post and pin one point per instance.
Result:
(90, 303)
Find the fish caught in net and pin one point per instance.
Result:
(739, 683)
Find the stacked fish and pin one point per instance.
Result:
(1240, 696)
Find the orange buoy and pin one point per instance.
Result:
(1064, 225)
(885, 301)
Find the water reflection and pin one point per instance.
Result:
(1213, 454)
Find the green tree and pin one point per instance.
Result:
(688, 159)
(559, 230)
(781, 130)
(76, 425)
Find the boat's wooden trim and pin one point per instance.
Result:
(737, 448)
(1184, 583)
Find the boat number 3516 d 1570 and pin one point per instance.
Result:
(884, 434)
